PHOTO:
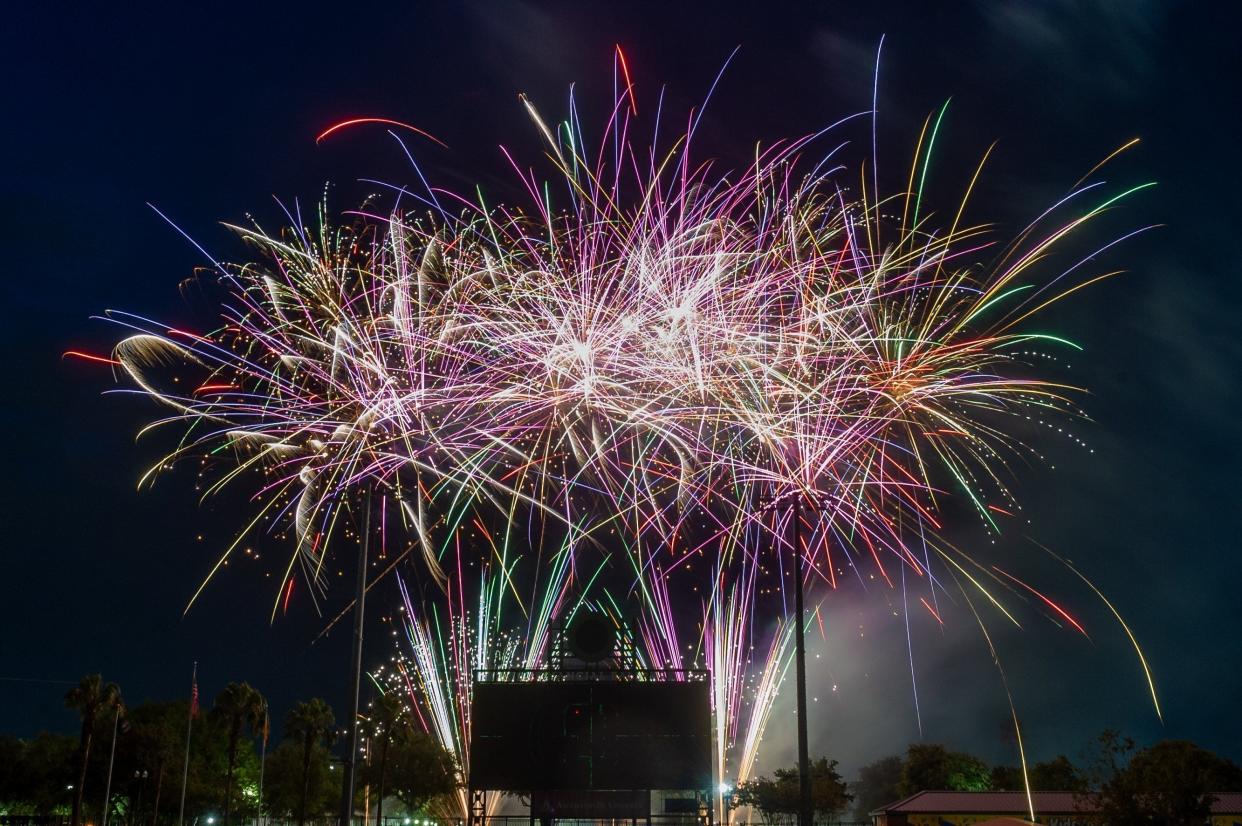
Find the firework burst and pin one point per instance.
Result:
(584, 401)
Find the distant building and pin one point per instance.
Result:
(1051, 808)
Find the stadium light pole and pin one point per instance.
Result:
(804, 771)
(795, 504)
(355, 672)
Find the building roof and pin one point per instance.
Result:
(982, 802)
(1000, 803)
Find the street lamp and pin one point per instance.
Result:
(139, 775)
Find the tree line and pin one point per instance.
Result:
(232, 758)
(1171, 783)
(404, 771)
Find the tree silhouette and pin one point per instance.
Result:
(155, 742)
(932, 766)
(389, 723)
(90, 697)
(309, 722)
(778, 799)
(878, 783)
(1172, 783)
(421, 770)
(241, 706)
(1056, 775)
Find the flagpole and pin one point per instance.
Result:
(189, 725)
(262, 767)
(111, 759)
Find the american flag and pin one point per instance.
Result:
(194, 692)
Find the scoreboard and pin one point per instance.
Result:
(539, 736)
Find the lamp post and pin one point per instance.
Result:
(139, 775)
(796, 502)
(262, 763)
(116, 722)
(804, 772)
(355, 677)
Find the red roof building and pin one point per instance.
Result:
(1052, 808)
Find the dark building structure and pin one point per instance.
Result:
(593, 736)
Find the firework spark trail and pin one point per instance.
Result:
(767, 683)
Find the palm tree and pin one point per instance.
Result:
(241, 706)
(389, 723)
(309, 722)
(91, 696)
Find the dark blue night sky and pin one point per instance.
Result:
(209, 113)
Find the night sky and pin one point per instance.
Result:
(209, 114)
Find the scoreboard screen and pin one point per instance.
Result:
(590, 736)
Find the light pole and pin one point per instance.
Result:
(139, 774)
(355, 677)
(796, 503)
(116, 721)
(804, 772)
(262, 763)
